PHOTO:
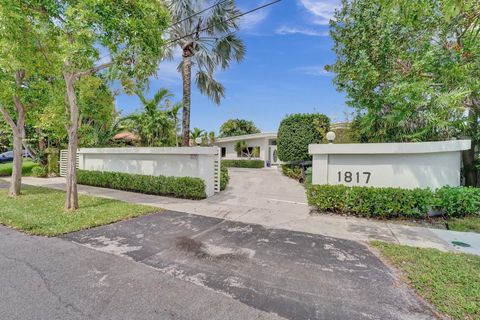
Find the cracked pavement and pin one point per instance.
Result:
(293, 275)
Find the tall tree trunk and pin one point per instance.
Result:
(71, 200)
(468, 156)
(16, 182)
(187, 83)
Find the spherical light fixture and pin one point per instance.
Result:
(198, 140)
(331, 136)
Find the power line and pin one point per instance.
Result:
(230, 19)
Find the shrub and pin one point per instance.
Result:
(40, 171)
(243, 163)
(224, 177)
(179, 187)
(458, 201)
(292, 171)
(371, 202)
(296, 132)
(6, 168)
(53, 164)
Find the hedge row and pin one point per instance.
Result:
(224, 177)
(292, 171)
(179, 187)
(243, 163)
(394, 202)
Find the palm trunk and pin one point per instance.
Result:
(71, 200)
(187, 81)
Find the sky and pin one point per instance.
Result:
(287, 45)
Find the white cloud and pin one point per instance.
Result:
(250, 21)
(283, 30)
(317, 71)
(323, 10)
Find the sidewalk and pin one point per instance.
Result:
(286, 214)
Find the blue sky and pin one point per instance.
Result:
(283, 72)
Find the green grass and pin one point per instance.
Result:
(470, 224)
(6, 168)
(40, 211)
(450, 281)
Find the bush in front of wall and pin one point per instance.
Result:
(179, 187)
(458, 201)
(297, 131)
(224, 177)
(243, 163)
(292, 171)
(40, 171)
(370, 201)
(394, 202)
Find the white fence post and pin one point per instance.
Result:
(217, 171)
(63, 162)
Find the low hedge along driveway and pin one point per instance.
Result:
(179, 187)
(395, 202)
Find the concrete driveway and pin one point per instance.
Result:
(289, 274)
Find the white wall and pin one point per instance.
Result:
(405, 165)
(178, 162)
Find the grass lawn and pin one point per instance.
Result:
(39, 211)
(471, 224)
(6, 168)
(451, 282)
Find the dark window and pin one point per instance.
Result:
(224, 152)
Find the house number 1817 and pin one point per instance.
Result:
(348, 176)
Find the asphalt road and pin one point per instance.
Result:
(49, 279)
(291, 274)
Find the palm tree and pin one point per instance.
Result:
(208, 42)
(196, 133)
(172, 112)
(153, 124)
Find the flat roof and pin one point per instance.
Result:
(390, 148)
(270, 135)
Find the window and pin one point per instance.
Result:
(224, 152)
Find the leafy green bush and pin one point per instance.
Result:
(394, 202)
(40, 171)
(371, 202)
(6, 168)
(224, 177)
(458, 201)
(297, 131)
(292, 171)
(179, 187)
(53, 161)
(244, 163)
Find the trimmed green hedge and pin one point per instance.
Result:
(297, 131)
(292, 171)
(256, 164)
(224, 177)
(394, 202)
(6, 168)
(179, 187)
(40, 171)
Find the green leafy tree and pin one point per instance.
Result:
(131, 32)
(154, 125)
(23, 76)
(237, 127)
(197, 133)
(208, 42)
(411, 69)
(297, 131)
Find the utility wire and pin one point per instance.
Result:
(197, 13)
(230, 19)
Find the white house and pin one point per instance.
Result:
(265, 142)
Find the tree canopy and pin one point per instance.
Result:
(238, 127)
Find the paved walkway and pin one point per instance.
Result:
(265, 197)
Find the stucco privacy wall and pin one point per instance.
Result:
(178, 162)
(405, 165)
